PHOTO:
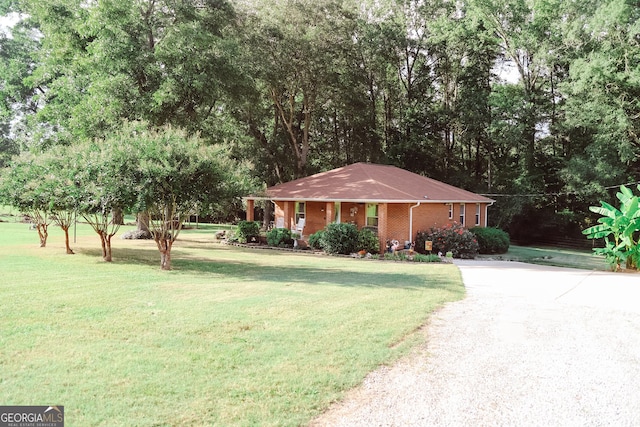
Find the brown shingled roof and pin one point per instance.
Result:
(365, 182)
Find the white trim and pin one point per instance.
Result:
(486, 214)
(366, 214)
(462, 213)
(411, 221)
(296, 213)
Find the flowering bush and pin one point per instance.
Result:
(452, 238)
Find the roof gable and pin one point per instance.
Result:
(365, 182)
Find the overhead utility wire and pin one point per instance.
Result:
(570, 193)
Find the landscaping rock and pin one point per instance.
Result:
(137, 235)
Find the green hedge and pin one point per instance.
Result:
(248, 231)
(280, 237)
(368, 241)
(340, 238)
(491, 240)
(315, 240)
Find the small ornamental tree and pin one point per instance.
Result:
(620, 229)
(61, 191)
(173, 173)
(102, 177)
(22, 187)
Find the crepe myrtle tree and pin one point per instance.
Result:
(58, 182)
(173, 173)
(21, 186)
(102, 184)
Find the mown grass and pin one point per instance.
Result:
(231, 336)
(585, 260)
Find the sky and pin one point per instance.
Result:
(8, 21)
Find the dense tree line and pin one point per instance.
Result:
(294, 87)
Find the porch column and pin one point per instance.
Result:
(329, 212)
(250, 206)
(382, 226)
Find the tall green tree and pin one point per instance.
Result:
(161, 61)
(19, 101)
(602, 120)
(297, 51)
(527, 32)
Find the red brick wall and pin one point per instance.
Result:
(430, 215)
(398, 226)
(425, 216)
(315, 217)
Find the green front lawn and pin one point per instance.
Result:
(584, 260)
(231, 336)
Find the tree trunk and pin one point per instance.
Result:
(43, 233)
(164, 245)
(143, 222)
(268, 215)
(66, 240)
(118, 216)
(108, 257)
(106, 246)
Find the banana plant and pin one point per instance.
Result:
(620, 229)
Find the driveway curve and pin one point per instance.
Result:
(529, 346)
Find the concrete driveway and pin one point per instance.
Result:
(615, 291)
(529, 346)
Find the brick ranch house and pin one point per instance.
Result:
(394, 202)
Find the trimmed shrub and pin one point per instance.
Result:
(368, 241)
(491, 240)
(280, 237)
(248, 231)
(452, 238)
(340, 238)
(315, 240)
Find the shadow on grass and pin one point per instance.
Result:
(248, 271)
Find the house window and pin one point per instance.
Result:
(477, 213)
(300, 211)
(372, 215)
(450, 205)
(462, 213)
